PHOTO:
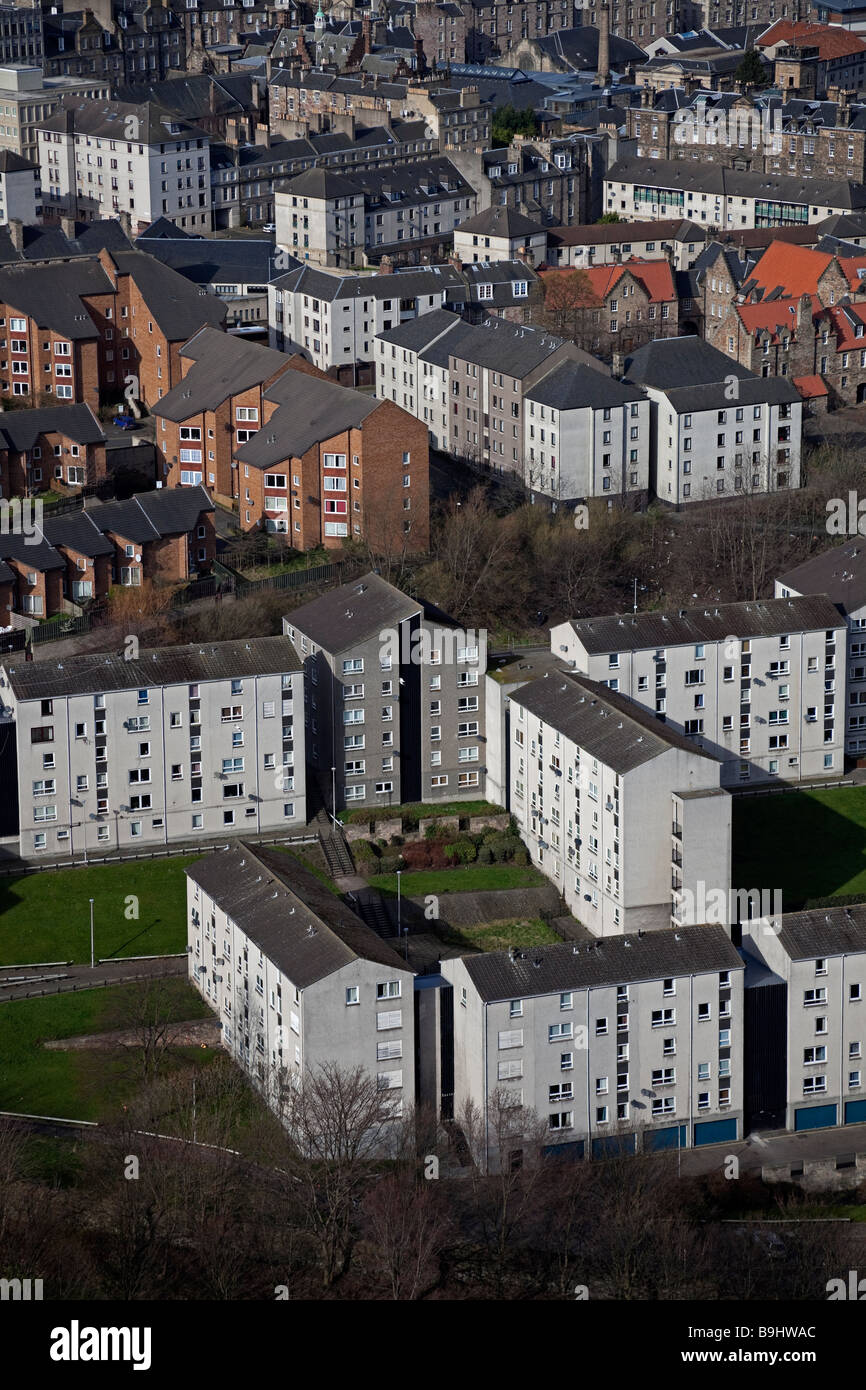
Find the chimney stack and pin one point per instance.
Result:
(386, 266)
(16, 233)
(603, 75)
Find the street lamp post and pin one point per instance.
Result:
(399, 926)
(92, 962)
(334, 795)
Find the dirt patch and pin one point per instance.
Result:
(197, 1032)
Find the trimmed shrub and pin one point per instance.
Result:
(390, 863)
(461, 852)
(485, 855)
(521, 857)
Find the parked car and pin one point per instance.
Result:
(125, 422)
(269, 227)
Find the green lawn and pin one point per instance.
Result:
(469, 878)
(809, 844)
(498, 936)
(85, 1085)
(46, 916)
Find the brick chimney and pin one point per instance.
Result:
(367, 34)
(455, 260)
(420, 60)
(302, 51)
(603, 76)
(386, 266)
(16, 233)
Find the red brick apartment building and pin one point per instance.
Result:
(293, 452)
(74, 329)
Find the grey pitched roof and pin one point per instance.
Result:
(824, 931)
(149, 515)
(839, 572)
(665, 363)
(500, 345)
(576, 386)
(214, 260)
(617, 731)
(310, 410)
(12, 163)
(774, 390)
(195, 663)
(697, 177)
(35, 556)
(578, 48)
(415, 334)
(615, 233)
(766, 617)
(107, 118)
(307, 932)
(400, 284)
(51, 293)
(222, 365)
(321, 183)
(499, 221)
(345, 616)
(179, 307)
(77, 531)
(195, 95)
(613, 960)
(20, 429)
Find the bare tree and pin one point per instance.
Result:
(406, 1228)
(337, 1121)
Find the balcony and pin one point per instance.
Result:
(677, 830)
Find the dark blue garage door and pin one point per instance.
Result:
(671, 1138)
(715, 1131)
(855, 1111)
(815, 1117)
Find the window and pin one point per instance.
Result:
(559, 1031)
(353, 995)
(391, 989)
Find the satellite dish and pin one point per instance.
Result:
(138, 559)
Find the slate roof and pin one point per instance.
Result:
(501, 221)
(612, 960)
(107, 119)
(208, 261)
(769, 617)
(577, 386)
(667, 363)
(697, 177)
(79, 532)
(496, 344)
(310, 410)
(51, 294)
(194, 662)
(415, 334)
(179, 307)
(824, 931)
(578, 48)
(617, 233)
(343, 617)
(321, 183)
(400, 284)
(619, 732)
(306, 931)
(12, 163)
(839, 572)
(20, 429)
(222, 365)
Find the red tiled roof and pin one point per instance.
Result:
(851, 265)
(846, 334)
(779, 314)
(809, 386)
(830, 40)
(655, 276)
(795, 270)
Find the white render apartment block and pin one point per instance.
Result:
(718, 429)
(174, 744)
(632, 1043)
(394, 697)
(807, 972)
(624, 815)
(840, 573)
(296, 980)
(586, 435)
(759, 685)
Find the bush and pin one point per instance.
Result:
(390, 863)
(365, 852)
(521, 857)
(485, 855)
(461, 852)
(397, 840)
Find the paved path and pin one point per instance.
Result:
(18, 982)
